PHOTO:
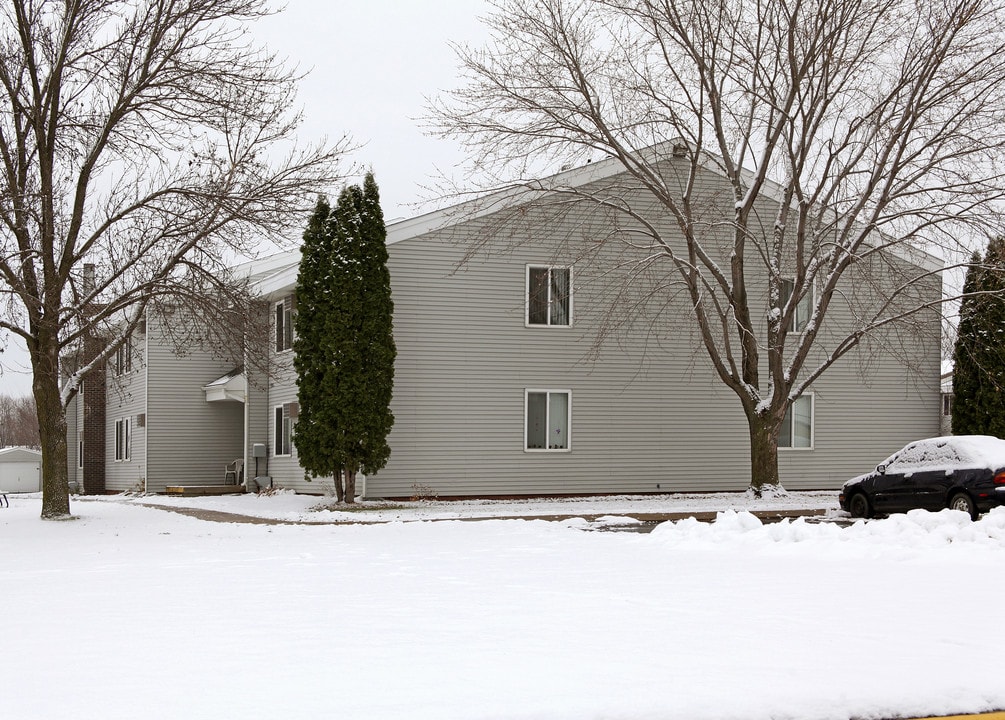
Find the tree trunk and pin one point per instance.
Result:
(763, 450)
(350, 486)
(52, 434)
(339, 491)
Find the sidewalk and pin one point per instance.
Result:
(286, 507)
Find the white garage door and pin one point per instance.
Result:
(20, 477)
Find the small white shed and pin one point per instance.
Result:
(20, 470)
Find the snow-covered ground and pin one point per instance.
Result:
(131, 611)
(290, 507)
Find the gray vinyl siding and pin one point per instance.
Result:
(648, 412)
(126, 398)
(74, 426)
(257, 417)
(190, 440)
(285, 470)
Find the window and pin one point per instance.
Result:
(284, 324)
(124, 357)
(947, 404)
(80, 452)
(285, 415)
(546, 417)
(123, 447)
(549, 295)
(797, 427)
(801, 315)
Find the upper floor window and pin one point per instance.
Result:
(124, 357)
(801, 315)
(549, 295)
(284, 324)
(797, 427)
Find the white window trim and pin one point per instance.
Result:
(809, 298)
(526, 401)
(282, 412)
(287, 325)
(123, 358)
(526, 296)
(123, 433)
(813, 427)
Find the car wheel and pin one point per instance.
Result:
(859, 506)
(962, 501)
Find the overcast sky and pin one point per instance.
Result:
(372, 65)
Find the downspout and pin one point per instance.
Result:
(146, 404)
(247, 420)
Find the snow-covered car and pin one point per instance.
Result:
(962, 472)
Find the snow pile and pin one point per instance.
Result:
(917, 529)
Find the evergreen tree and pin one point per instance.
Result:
(313, 325)
(377, 334)
(979, 354)
(346, 377)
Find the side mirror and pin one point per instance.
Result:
(881, 469)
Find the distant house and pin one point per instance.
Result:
(20, 470)
(501, 388)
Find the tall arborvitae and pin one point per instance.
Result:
(313, 325)
(344, 347)
(348, 388)
(979, 354)
(376, 330)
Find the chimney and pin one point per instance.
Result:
(88, 278)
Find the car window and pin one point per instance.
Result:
(940, 454)
(909, 457)
(924, 455)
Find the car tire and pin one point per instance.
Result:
(962, 501)
(859, 506)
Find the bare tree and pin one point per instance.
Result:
(18, 422)
(144, 143)
(849, 133)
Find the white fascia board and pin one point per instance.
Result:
(278, 284)
(518, 194)
(260, 268)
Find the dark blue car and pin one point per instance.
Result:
(962, 472)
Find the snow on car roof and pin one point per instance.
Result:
(955, 450)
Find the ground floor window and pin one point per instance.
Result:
(546, 418)
(123, 441)
(285, 415)
(797, 427)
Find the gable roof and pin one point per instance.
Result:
(19, 455)
(285, 277)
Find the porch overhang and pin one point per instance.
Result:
(232, 387)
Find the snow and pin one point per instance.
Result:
(133, 611)
(945, 453)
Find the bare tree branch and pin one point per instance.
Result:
(151, 142)
(853, 139)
